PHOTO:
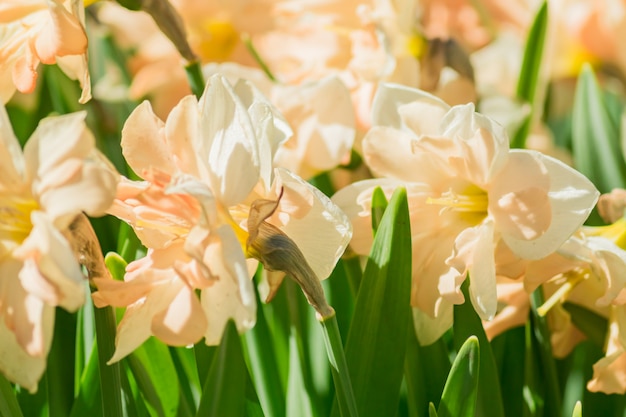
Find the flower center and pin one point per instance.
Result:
(216, 40)
(615, 232)
(471, 204)
(572, 279)
(15, 224)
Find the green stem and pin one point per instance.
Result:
(339, 366)
(110, 378)
(195, 77)
(541, 335)
(60, 370)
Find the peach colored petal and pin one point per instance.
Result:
(183, 322)
(11, 159)
(611, 206)
(63, 34)
(25, 71)
(50, 269)
(181, 127)
(144, 142)
(17, 365)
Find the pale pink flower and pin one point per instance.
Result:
(41, 31)
(467, 192)
(204, 167)
(58, 176)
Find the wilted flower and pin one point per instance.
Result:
(59, 175)
(467, 192)
(46, 31)
(206, 166)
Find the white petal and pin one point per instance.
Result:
(323, 233)
(227, 144)
(572, 197)
(390, 97)
(427, 329)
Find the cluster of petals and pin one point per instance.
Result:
(468, 193)
(588, 270)
(58, 176)
(203, 168)
(41, 31)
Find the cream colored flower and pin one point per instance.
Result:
(59, 175)
(204, 167)
(41, 31)
(467, 192)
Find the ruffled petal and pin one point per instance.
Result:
(428, 329)
(571, 197)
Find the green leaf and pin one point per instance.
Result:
(89, 399)
(60, 364)
(461, 390)
(116, 265)
(224, 391)
(466, 324)
(425, 372)
(595, 136)
(510, 353)
(9, 407)
(432, 411)
(377, 339)
(156, 377)
(379, 204)
(578, 410)
(529, 75)
(594, 326)
(264, 366)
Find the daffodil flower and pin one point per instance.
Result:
(41, 31)
(204, 168)
(43, 189)
(467, 192)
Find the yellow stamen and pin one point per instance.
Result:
(572, 279)
(15, 221)
(471, 204)
(615, 232)
(416, 45)
(217, 40)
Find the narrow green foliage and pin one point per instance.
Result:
(541, 336)
(9, 407)
(378, 334)
(461, 390)
(432, 411)
(224, 392)
(596, 136)
(379, 204)
(263, 365)
(594, 326)
(578, 410)
(529, 75)
(156, 377)
(60, 364)
(89, 398)
(110, 377)
(247, 41)
(425, 371)
(466, 324)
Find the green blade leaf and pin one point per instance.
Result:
(529, 75)
(595, 136)
(156, 377)
(578, 410)
(466, 324)
(9, 407)
(378, 334)
(379, 204)
(432, 411)
(224, 392)
(461, 390)
(89, 398)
